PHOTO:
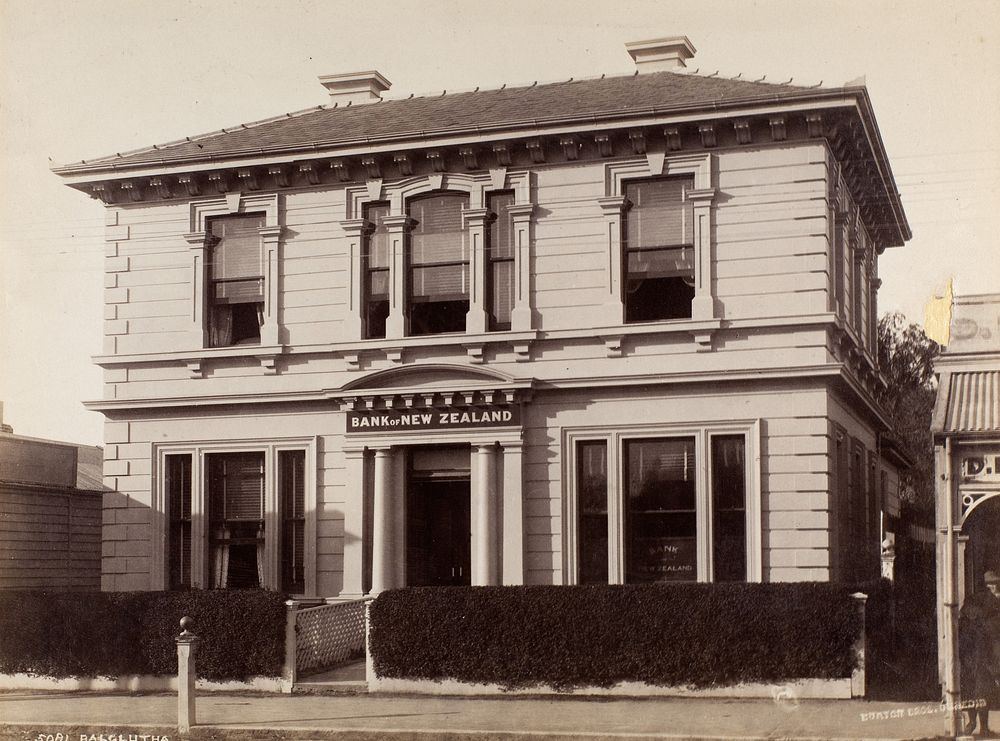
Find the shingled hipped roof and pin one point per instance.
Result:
(604, 98)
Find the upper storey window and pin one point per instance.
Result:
(658, 241)
(438, 264)
(500, 261)
(236, 280)
(376, 271)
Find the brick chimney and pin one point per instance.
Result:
(355, 87)
(656, 55)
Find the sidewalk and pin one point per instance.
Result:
(357, 717)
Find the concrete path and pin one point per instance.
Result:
(25, 715)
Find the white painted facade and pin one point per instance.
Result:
(778, 351)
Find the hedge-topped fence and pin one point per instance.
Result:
(695, 635)
(114, 634)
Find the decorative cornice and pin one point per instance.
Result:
(570, 146)
(468, 155)
(536, 148)
(371, 167)
(673, 137)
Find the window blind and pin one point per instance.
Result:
(660, 214)
(236, 486)
(236, 267)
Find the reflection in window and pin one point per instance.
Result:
(661, 526)
(236, 519)
(729, 529)
(500, 261)
(376, 271)
(236, 280)
(592, 485)
(438, 263)
(658, 245)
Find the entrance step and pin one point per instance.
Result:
(348, 679)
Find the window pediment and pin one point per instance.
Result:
(430, 376)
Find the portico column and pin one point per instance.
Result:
(354, 525)
(484, 517)
(383, 567)
(513, 514)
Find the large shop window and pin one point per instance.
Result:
(438, 264)
(661, 525)
(236, 519)
(658, 249)
(664, 508)
(236, 280)
(376, 271)
(229, 501)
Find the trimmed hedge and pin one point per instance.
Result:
(566, 636)
(110, 634)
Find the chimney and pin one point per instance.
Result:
(355, 87)
(656, 55)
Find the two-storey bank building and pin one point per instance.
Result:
(607, 330)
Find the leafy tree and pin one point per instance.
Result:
(906, 358)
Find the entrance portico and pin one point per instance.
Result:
(394, 435)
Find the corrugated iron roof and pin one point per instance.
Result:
(486, 109)
(969, 402)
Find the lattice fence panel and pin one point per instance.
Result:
(329, 635)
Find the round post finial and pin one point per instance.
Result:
(186, 622)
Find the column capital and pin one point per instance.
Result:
(400, 222)
(196, 240)
(356, 227)
(612, 205)
(476, 217)
(270, 233)
(521, 211)
(702, 195)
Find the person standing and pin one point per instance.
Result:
(979, 652)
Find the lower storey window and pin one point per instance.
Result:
(664, 507)
(230, 524)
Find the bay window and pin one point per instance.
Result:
(229, 522)
(663, 504)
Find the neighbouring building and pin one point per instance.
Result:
(966, 427)
(50, 513)
(618, 329)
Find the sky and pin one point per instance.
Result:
(94, 77)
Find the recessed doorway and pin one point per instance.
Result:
(438, 517)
